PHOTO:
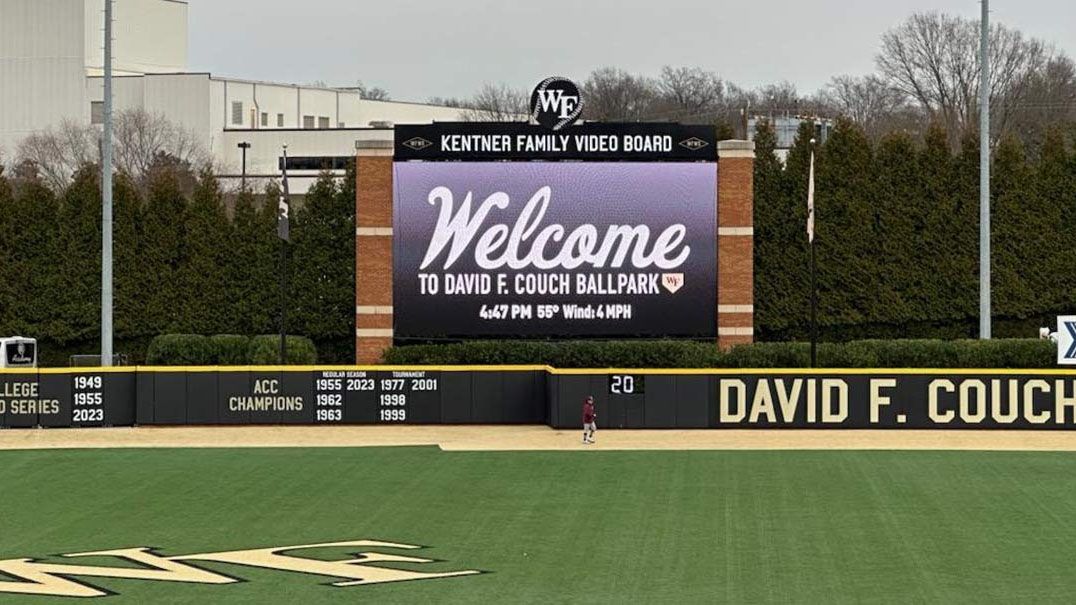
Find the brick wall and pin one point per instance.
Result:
(373, 251)
(735, 243)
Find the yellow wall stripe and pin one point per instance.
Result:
(551, 370)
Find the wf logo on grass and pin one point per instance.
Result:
(1066, 340)
(55, 579)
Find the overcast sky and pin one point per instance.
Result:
(422, 48)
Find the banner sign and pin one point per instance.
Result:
(483, 142)
(881, 399)
(1066, 340)
(899, 401)
(77, 399)
(555, 250)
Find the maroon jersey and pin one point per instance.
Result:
(588, 412)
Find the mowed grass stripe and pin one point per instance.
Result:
(566, 527)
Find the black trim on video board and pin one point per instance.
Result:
(485, 142)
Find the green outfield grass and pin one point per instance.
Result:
(590, 527)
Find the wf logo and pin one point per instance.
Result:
(1070, 329)
(556, 103)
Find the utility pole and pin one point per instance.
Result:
(984, 176)
(106, 200)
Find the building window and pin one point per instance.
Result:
(308, 122)
(279, 120)
(265, 120)
(323, 123)
(237, 113)
(97, 112)
(341, 125)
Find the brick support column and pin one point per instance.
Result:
(735, 243)
(373, 250)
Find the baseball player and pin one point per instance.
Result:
(589, 418)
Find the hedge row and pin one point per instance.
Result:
(1016, 354)
(897, 236)
(189, 259)
(227, 350)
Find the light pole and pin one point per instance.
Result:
(984, 176)
(106, 200)
(244, 146)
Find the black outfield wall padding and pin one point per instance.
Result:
(744, 399)
(340, 396)
(633, 399)
(67, 398)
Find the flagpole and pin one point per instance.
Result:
(810, 240)
(284, 232)
(283, 302)
(814, 313)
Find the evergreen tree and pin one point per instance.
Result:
(961, 231)
(899, 220)
(725, 131)
(790, 235)
(128, 299)
(253, 265)
(1056, 190)
(164, 252)
(1022, 236)
(775, 236)
(944, 275)
(848, 270)
(8, 231)
(35, 257)
(324, 259)
(202, 281)
(271, 264)
(76, 304)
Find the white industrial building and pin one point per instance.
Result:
(51, 61)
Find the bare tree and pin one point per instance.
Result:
(615, 95)
(870, 102)
(56, 154)
(450, 102)
(781, 97)
(373, 93)
(1049, 100)
(691, 94)
(934, 59)
(140, 139)
(497, 103)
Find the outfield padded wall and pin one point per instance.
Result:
(670, 399)
(825, 399)
(271, 396)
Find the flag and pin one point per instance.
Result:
(810, 203)
(283, 216)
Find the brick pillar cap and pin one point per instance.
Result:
(735, 149)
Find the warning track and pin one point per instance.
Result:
(531, 438)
